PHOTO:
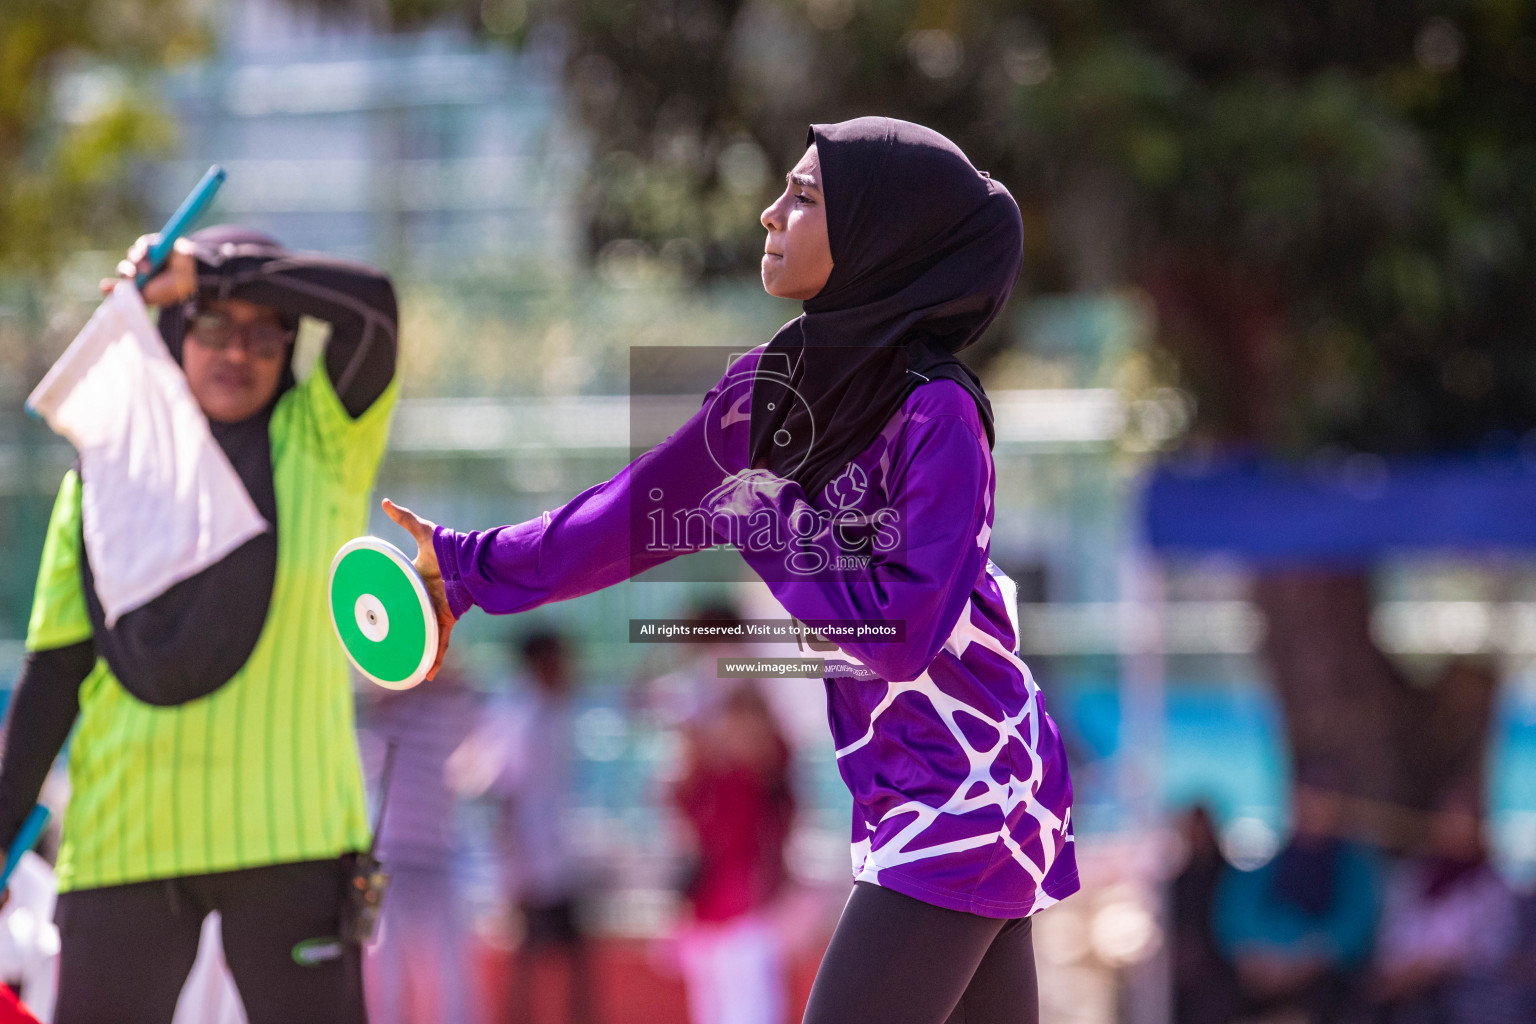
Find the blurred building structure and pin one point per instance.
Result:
(432, 153)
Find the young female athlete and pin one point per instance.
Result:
(849, 461)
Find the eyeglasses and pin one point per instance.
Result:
(217, 331)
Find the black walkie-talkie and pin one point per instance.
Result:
(365, 888)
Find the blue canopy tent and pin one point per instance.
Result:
(1343, 511)
(1348, 510)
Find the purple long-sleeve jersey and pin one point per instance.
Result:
(961, 796)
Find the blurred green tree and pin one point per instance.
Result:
(72, 119)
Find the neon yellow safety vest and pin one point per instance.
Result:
(265, 769)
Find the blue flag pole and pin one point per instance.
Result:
(190, 209)
(26, 838)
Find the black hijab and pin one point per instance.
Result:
(925, 250)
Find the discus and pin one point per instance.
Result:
(382, 614)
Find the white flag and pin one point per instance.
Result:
(161, 501)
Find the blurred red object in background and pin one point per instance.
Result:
(11, 1009)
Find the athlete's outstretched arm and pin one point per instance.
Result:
(592, 541)
(940, 491)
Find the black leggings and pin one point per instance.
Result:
(897, 960)
(126, 950)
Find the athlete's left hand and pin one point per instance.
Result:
(426, 565)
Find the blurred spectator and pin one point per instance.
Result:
(416, 971)
(687, 692)
(735, 793)
(1298, 930)
(1204, 984)
(1448, 927)
(521, 755)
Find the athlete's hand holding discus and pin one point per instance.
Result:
(426, 566)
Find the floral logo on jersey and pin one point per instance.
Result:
(848, 488)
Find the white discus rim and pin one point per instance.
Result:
(419, 588)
